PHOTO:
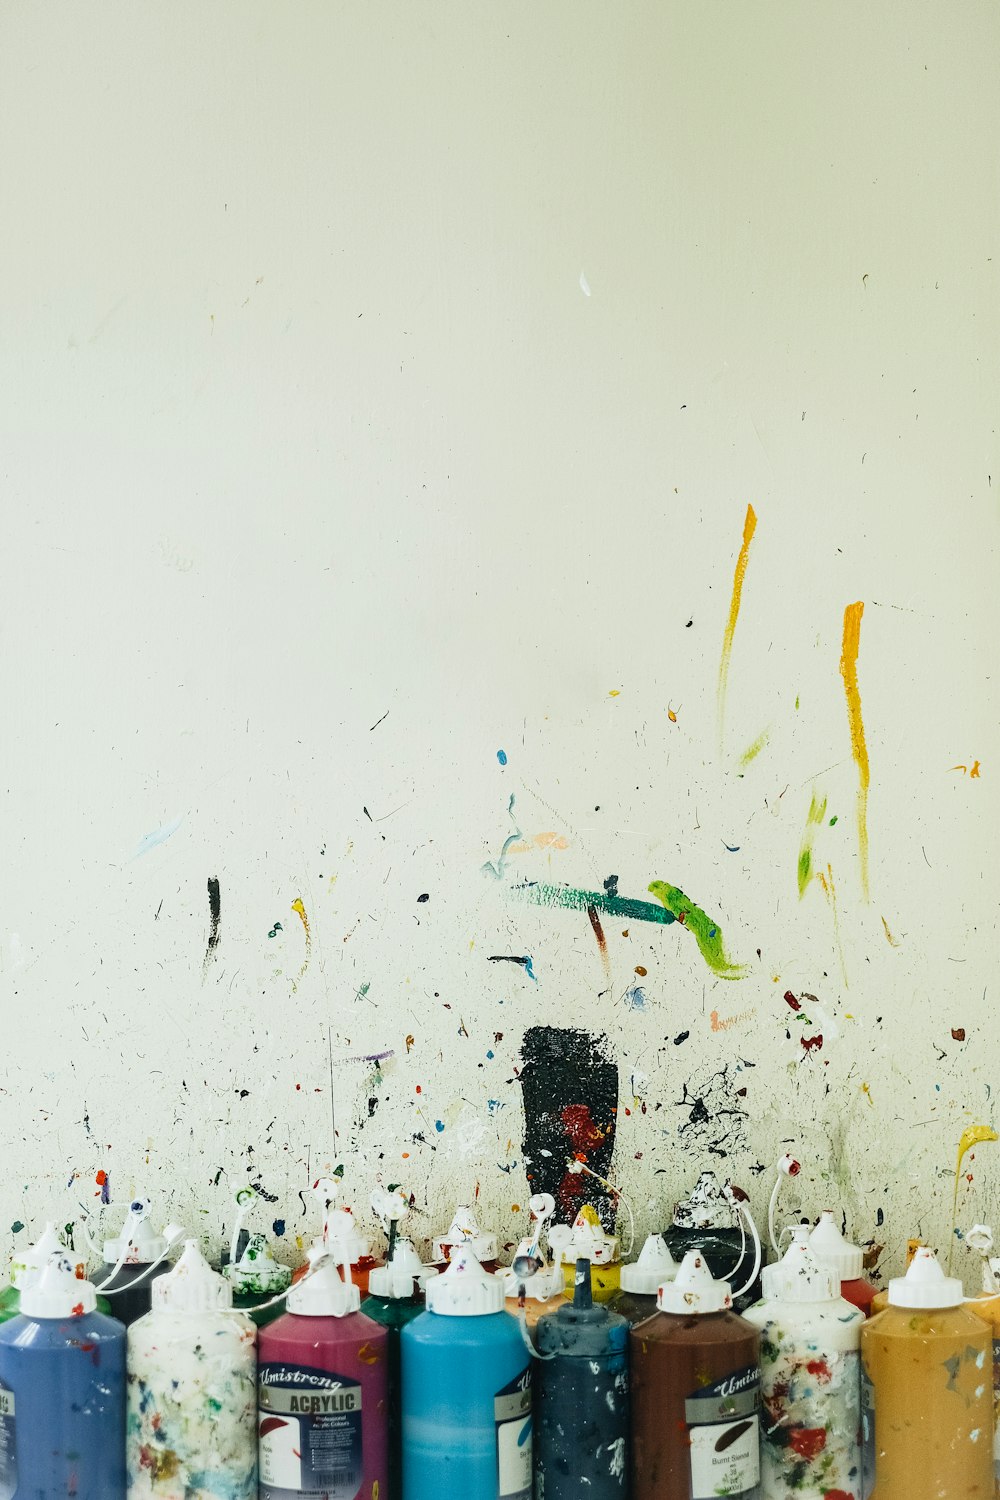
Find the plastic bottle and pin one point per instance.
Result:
(987, 1307)
(710, 1220)
(467, 1426)
(464, 1230)
(191, 1423)
(395, 1298)
(62, 1392)
(322, 1387)
(132, 1261)
(695, 1375)
(585, 1239)
(581, 1399)
(533, 1280)
(810, 1379)
(25, 1266)
(641, 1280)
(845, 1260)
(880, 1301)
(928, 1392)
(256, 1279)
(340, 1237)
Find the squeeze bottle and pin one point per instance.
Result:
(191, 1422)
(810, 1379)
(62, 1392)
(533, 1279)
(641, 1280)
(695, 1375)
(880, 1301)
(256, 1278)
(142, 1256)
(340, 1237)
(585, 1239)
(464, 1230)
(987, 1307)
(581, 1399)
(845, 1260)
(395, 1298)
(322, 1381)
(25, 1266)
(927, 1392)
(467, 1428)
(710, 1220)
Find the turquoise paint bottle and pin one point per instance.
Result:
(467, 1425)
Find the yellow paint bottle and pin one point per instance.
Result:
(585, 1239)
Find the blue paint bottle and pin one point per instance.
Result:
(467, 1428)
(581, 1399)
(62, 1393)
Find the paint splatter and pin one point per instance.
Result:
(278, 1227)
(706, 932)
(892, 941)
(502, 757)
(608, 900)
(548, 840)
(791, 1001)
(569, 1084)
(753, 750)
(635, 997)
(715, 1112)
(749, 527)
(103, 1180)
(830, 892)
(813, 1043)
(958, 1033)
(214, 916)
(602, 941)
(974, 1135)
(275, 930)
(158, 836)
(497, 870)
(859, 749)
(16, 1227)
(298, 906)
(972, 772)
(815, 816)
(524, 959)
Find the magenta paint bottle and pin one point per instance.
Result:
(322, 1382)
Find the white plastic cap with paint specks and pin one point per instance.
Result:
(464, 1230)
(465, 1290)
(587, 1240)
(925, 1284)
(257, 1271)
(323, 1292)
(191, 1286)
(27, 1263)
(829, 1245)
(342, 1238)
(800, 1275)
(694, 1289)
(396, 1280)
(58, 1291)
(655, 1265)
(138, 1243)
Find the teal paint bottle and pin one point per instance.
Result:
(467, 1422)
(581, 1399)
(395, 1298)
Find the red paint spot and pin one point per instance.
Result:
(807, 1442)
(581, 1131)
(298, 1088)
(958, 1033)
(811, 1044)
(101, 1178)
(819, 1368)
(419, 1089)
(791, 1000)
(77, 1311)
(838, 1495)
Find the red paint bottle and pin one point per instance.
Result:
(845, 1260)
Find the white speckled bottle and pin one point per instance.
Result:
(191, 1430)
(810, 1380)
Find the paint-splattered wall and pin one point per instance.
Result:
(500, 535)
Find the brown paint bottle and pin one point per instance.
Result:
(695, 1393)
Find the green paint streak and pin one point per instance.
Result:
(573, 900)
(706, 932)
(752, 751)
(796, 700)
(815, 816)
(833, 820)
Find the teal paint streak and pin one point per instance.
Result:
(570, 899)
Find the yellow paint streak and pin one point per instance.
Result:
(859, 749)
(893, 941)
(752, 751)
(868, 1094)
(749, 527)
(298, 906)
(973, 1135)
(830, 892)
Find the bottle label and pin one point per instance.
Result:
(8, 1446)
(867, 1435)
(996, 1411)
(512, 1415)
(723, 1424)
(309, 1428)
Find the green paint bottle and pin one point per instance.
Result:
(256, 1279)
(26, 1266)
(395, 1298)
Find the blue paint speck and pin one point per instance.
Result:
(490, 1056)
(528, 969)
(502, 757)
(439, 1126)
(635, 998)
(279, 1227)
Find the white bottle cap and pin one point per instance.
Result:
(654, 1266)
(32, 1258)
(57, 1291)
(925, 1284)
(586, 1240)
(342, 1238)
(142, 1246)
(706, 1208)
(465, 1290)
(191, 1286)
(464, 1230)
(548, 1282)
(829, 1245)
(397, 1278)
(800, 1275)
(323, 1293)
(257, 1271)
(694, 1289)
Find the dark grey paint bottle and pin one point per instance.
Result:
(581, 1399)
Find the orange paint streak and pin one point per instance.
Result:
(749, 527)
(859, 749)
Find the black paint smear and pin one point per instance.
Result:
(510, 958)
(214, 913)
(569, 1084)
(715, 1115)
(681, 1036)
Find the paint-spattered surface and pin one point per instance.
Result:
(412, 421)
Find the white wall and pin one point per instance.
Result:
(417, 364)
